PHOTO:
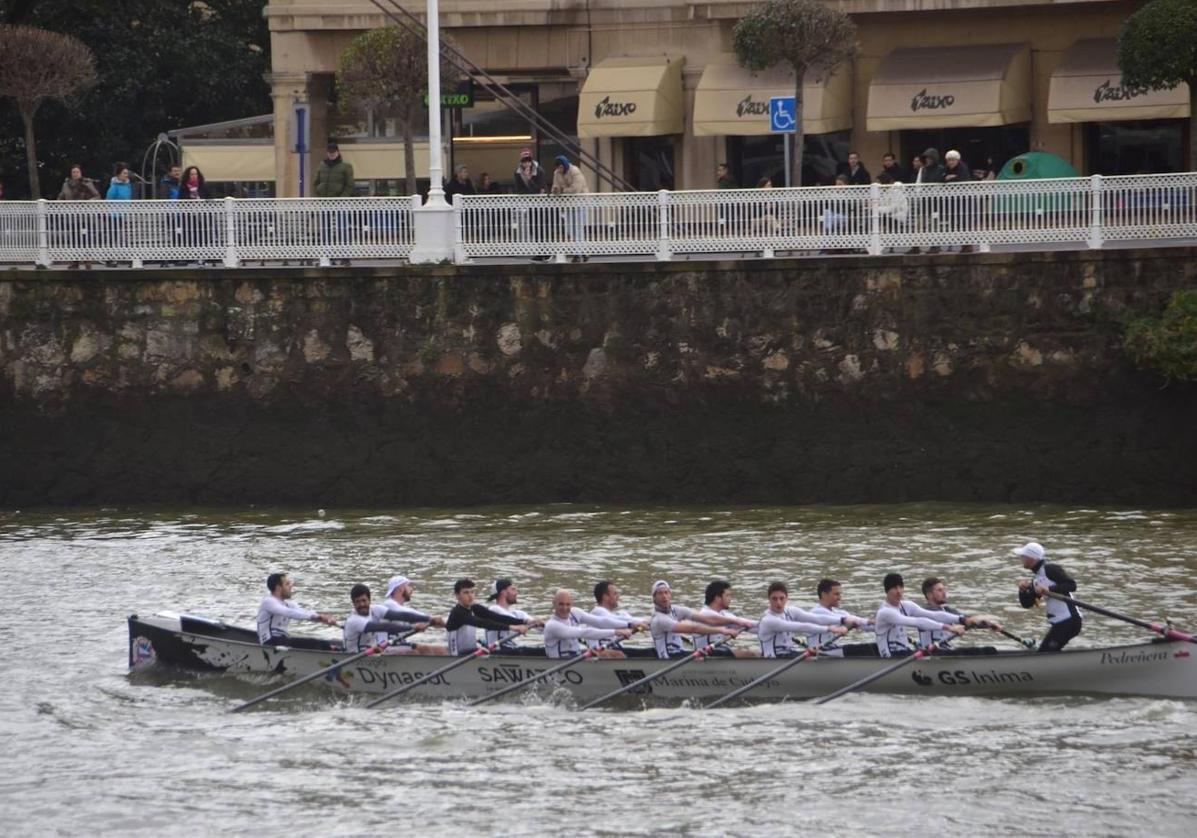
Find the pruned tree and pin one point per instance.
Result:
(1158, 50)
(388, 67)
(35, 65)
(806, 35)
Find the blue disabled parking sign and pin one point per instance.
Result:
(781, 114)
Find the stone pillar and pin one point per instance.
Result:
(695, 160)
(286, 90)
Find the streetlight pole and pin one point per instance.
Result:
(434, 226)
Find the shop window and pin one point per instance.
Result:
(980, 148)
(648, 163)
(753, 158)
(1131, 148)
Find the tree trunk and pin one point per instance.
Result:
(1193, 124)
(409, 153)
(796, 158)
(27, 112)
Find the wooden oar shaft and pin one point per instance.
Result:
(375, 649)
(695, 655)
(1028, 643)
(1158, 628)
(864, 682)
(461, 661)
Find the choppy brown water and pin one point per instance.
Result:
(88, 749)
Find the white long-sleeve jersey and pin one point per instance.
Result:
(822, 638)
(561, 636)
(507, 638)
(274, 615)
(776, 630)
(701, 641)
(668, 641)
(893, 620)
(624, 619)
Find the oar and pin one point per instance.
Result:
(463, 659)
(810, 652)
(1159, 628)
(372, 650)
(868, 679)
(1030, 644)
(693, 656)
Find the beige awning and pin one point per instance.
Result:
(632, 97)
(733, 101)
(951, 87)
(245, 163)
(1087, 87)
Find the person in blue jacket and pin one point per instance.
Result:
(120, 188)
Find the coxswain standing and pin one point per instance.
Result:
(669, 622)
(363, 629)
(1063, 616)
(505, 595)
(395, 607)
(606, 597)
(830, 594)
(897, 614)
(718, 597)
(466, 616)
(276, 612)
(776, 628)
(935, 593)
(563, 630)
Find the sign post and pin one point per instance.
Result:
(782, 121)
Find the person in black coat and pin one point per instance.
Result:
(855, 171)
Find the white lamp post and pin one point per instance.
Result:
(434, 221)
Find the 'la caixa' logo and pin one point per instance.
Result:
(606, 107)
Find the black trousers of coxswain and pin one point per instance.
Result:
(1060, 633)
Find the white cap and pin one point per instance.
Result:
(659, 584)
(396, 582)
(1032, 550)
(952, 155)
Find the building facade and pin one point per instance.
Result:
(651, 88)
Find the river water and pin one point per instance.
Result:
(87, 748)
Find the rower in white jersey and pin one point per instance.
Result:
(718, 597)
(563, 630)
(896, 614)
(396, 607)
(669, 622)
(366, 627)
(831, 594)
(505, 595)
(1064, 618)
(467, 615)
(776, 628)
(606, 597)
(276, 612)
(935, 594)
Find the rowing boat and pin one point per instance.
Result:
(1157, 669)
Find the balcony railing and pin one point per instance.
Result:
(1035, 214)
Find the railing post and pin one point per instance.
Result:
(875, 219)
(1095, 213)
(459, 251)
(664, 253)
(43, 234)
(230, 231)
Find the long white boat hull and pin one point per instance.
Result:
(1161, 669)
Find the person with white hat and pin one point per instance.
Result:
(1063, 617)
(669, 622)
(395, 607)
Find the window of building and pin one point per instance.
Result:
(753, 158)
(1130, 148)
(648, 163)
(980, 148)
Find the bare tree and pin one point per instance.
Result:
(388, 67)
(36, 65)
(807, 35)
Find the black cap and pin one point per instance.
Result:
(332, 146)
(498, 588)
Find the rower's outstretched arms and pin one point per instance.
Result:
(717, 620)
(693, 626)
(985, 621)
(411, 615)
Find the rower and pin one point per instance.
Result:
(364, 629)
(897, 613)
(276, 612)
(831, 594)
(505, 595)
(467, 615)
(1064, 617)
(395, 607)
(776, 628)
(669, 622)
(563, 630)
(718, 601)
(935, 592)
(606, 597)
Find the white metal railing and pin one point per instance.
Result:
(874, 219)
